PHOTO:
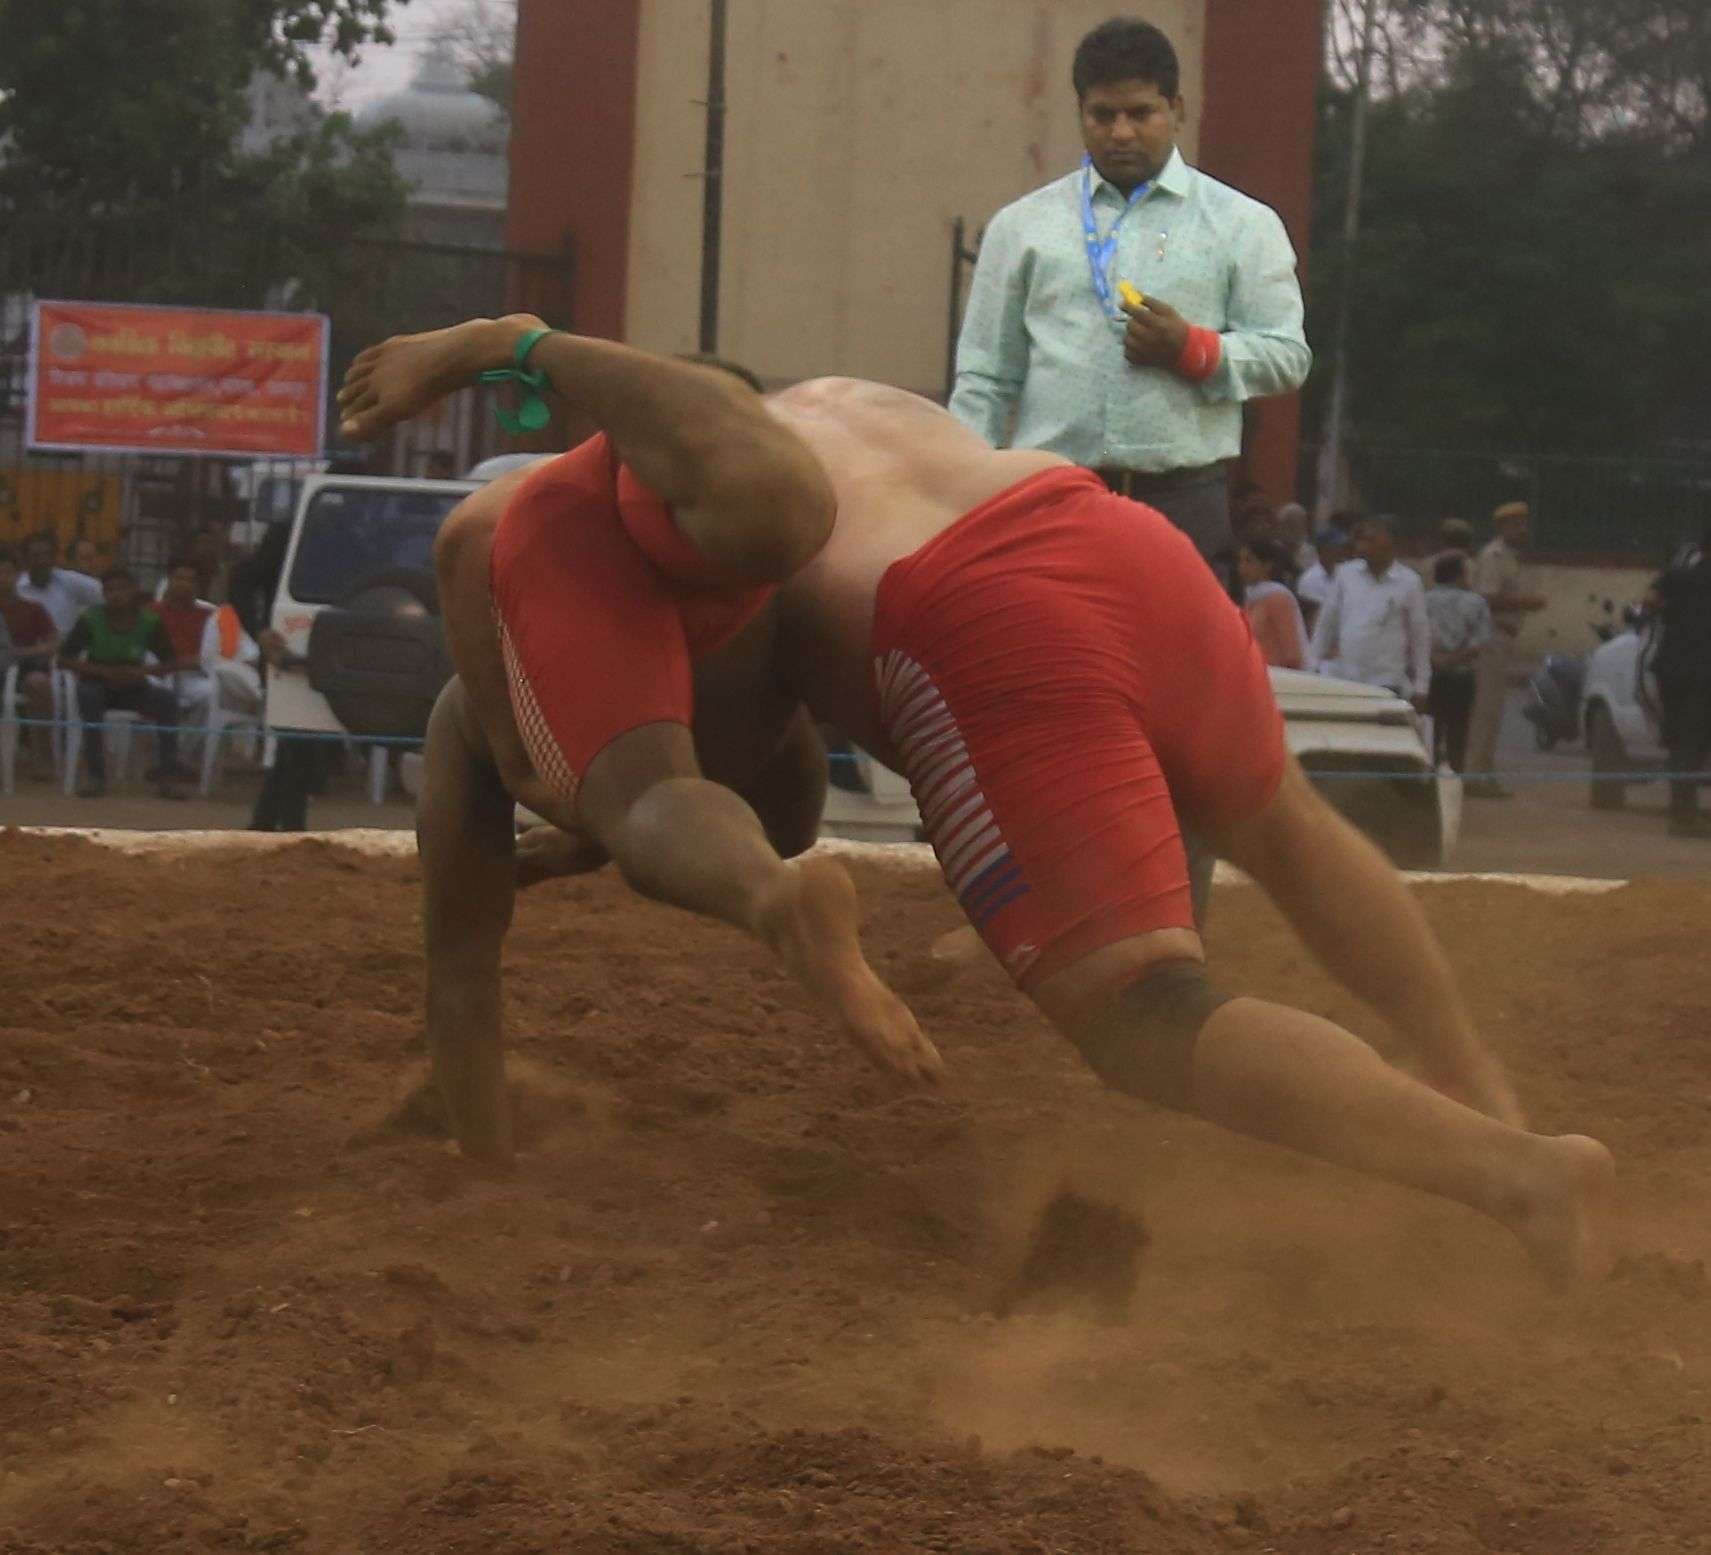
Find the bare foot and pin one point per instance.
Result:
(812, 929)
(1569, 1223)
(403, 376)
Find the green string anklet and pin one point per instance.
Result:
(532, 413)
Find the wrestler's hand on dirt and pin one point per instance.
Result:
(549, 853)
(1156, 334)
(403, 376)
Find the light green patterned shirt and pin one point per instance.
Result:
(1040, 365)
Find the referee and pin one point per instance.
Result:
(1121, 315)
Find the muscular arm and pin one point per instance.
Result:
(744, 489)
(464, 834)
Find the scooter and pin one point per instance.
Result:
(1555, 688)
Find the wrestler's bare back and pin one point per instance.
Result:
(903, 470)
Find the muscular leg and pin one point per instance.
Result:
(788, 794)
(1351, 908)
(1292, 1079)
(463, 835)
(680, 839)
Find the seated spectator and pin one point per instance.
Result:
(1271, 609)
(212, 639)
(64, 595)
(1331, 547)
(1461, 623)
(1373, 625)
(109, 650)
(34, 643)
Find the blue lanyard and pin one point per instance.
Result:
(1101, 251)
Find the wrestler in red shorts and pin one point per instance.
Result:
(1055, 669)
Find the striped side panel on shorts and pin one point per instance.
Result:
(973, 854)
(548, 760)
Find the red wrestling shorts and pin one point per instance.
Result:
(602, 606)
(1060, 673)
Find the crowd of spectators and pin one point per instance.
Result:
(166, 660)
(1343, 603)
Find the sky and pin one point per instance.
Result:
(381, 71)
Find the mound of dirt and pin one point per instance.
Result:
(743, 1297)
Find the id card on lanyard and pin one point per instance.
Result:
(1102, 251)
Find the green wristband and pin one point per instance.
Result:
(532, 413)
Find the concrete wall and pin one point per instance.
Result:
(1576, 598)
(857, 131)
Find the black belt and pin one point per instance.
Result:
(1143, 483)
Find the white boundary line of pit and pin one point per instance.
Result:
(896, 855)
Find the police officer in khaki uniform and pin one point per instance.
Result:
(1497, 577)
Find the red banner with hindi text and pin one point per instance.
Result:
(177, 380)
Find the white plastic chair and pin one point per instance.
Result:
(117, 728)
(377, 755)
(62, 691)
(215, 732)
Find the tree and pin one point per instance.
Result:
(1536, 225)
(482, 35)
(104, 100)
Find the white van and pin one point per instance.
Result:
(358, 607)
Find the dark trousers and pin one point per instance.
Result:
(1687, 725)
(1196, 501)
(157, 705)
(1450, 702)
(298, 770)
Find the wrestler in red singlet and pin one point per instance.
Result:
(1053, 669)
(602, 607)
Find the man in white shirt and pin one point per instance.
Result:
(65, 595)
(1373, 626)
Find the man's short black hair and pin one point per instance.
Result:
(182, 560)
(44, 538)
(8, 557)
(118, 575)
(1449, 568)
(1126, 49)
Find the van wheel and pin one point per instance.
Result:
(1605, 744)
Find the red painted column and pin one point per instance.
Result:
(1263, 60)
(573, 133)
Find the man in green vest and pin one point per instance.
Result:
(108, 650)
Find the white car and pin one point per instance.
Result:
(1620, 712)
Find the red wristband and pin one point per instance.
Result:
(1202, 351)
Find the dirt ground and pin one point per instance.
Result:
(740, 1297)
